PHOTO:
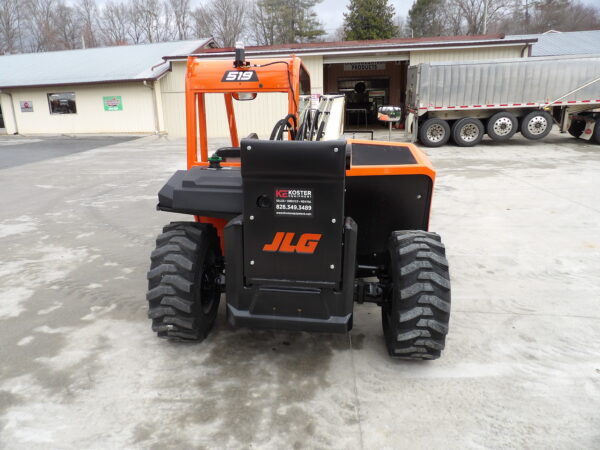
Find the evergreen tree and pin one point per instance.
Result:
(369, 19)
(425, 18)
(285, 21)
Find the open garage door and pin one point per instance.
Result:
(368, 83)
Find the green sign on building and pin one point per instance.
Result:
(113, 103)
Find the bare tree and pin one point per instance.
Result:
(9, 27)
(135, 29)
(41, 25)
(87, 16)
(581, 17)
(223, 19)
(181, 13)
(471, 15)
(151, 20)
(114, 23)
(67, 32)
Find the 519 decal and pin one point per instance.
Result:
(240, 75)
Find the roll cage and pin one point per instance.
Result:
(284, 75)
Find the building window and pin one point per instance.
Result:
(62, 103)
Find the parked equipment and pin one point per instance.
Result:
(297, 228)
(465, 100)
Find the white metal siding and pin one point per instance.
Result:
(174, 81)
(137, 115)
(467, 54)
(314, 65)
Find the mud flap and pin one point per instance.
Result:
(589, 130)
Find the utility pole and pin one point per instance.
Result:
(485, 15)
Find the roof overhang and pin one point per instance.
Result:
(326, 50)
(82, 83)
(142, 77)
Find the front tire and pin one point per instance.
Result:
(416, 310)
(536, 125)
(183, 289)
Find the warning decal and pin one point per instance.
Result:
(294, 202)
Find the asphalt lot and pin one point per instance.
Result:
(80, 367)
(19, 150)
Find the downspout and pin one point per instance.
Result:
(12, 107)
(154, 107)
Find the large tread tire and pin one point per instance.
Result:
(434, 132)
(536, 125)
(467, 132)
(577, 128)
(502, 126)
(416, 313)
(183, 292)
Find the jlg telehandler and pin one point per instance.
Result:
(297, 228)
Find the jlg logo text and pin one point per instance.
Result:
(283, 242)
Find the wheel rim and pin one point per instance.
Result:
(537, 125)
(469, 132)
(436, 133)
(503, 126)
(209, 289)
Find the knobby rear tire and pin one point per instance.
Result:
(417, 309)
(183, 290)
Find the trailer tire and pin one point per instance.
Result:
(467, 132)
(434, 132)
(502, 126)
(596, 134)
(577, 128)
(536, 125)
(416, 312)
(183, 291)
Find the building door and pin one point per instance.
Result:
(363, 97)
(367, 85)
(1, 120)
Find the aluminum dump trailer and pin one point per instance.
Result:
(465, 100)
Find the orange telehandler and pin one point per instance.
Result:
(297, 228)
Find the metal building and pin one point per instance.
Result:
(558, 43)
(140, 88)
(97, 90)
(379, 67)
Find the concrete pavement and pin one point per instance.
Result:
(80, 367)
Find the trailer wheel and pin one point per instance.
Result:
(536, 125)
(577, 128)
(502, 126)
(183, 290)
(416, 312)
(434, 132)
(596, 135)
(467, 132)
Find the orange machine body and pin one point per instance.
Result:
(284, 75)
